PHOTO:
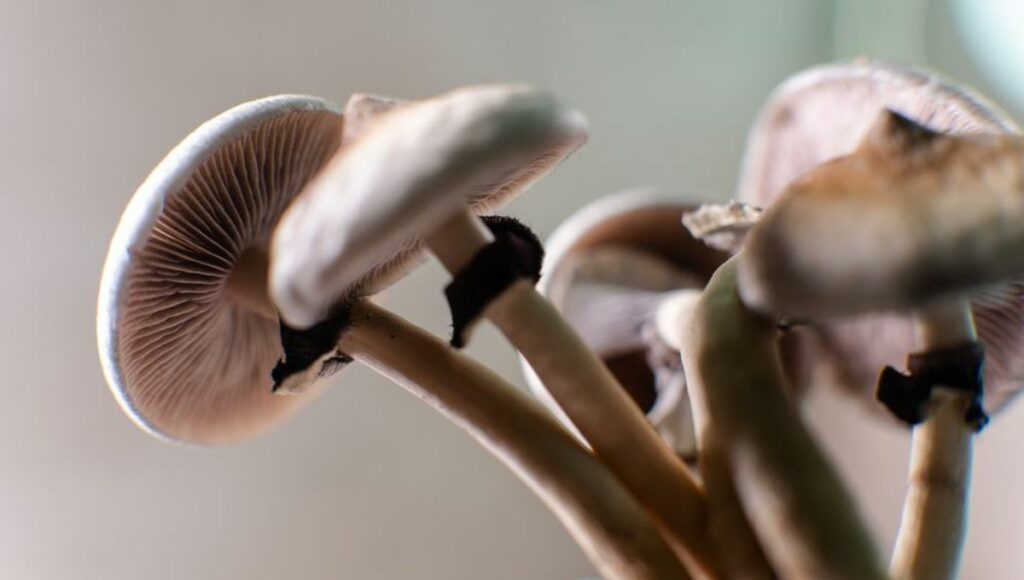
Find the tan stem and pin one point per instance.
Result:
(592, 399)
(933, 526)
(246, 286)
(729, 526)
(597, 510)
(800, 509)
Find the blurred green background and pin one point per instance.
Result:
(367, 482)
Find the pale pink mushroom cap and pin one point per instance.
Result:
(183, 359)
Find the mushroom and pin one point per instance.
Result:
(803, 515)
(416, 180)
(185, 342)
(824, 113)
(913, 220)
(188, 336)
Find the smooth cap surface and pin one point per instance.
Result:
(358, 226)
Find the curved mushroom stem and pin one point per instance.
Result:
(597, 510)
(591, 398)
(730, 527)
(798, 506)
(933, 525)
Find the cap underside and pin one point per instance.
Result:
(189, 363)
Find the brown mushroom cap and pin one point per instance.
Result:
(912, 216)
(824, 113)
(184, 355)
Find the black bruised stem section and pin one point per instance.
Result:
(515, 254)
(958, 367)
(302, 348)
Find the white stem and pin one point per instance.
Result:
(806, 520)
(933, 526)
(598, 511)
(592, 399)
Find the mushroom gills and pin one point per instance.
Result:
(602, 296)
(193, 345)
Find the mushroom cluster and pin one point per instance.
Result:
(668, 343)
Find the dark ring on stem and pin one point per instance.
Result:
(960, 368)
(515, 254)
(303, 348)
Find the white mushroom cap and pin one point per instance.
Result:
(357, 227)
(824, 112)
(184, 361)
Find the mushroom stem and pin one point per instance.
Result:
(597, 510)
(801, 511)
(458, 240)
(730, 527)
(591, 398)
(933, 525)
(246, 286)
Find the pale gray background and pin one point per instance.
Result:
(369, 483)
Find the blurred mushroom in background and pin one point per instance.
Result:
(825, 113)
(914, 221)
